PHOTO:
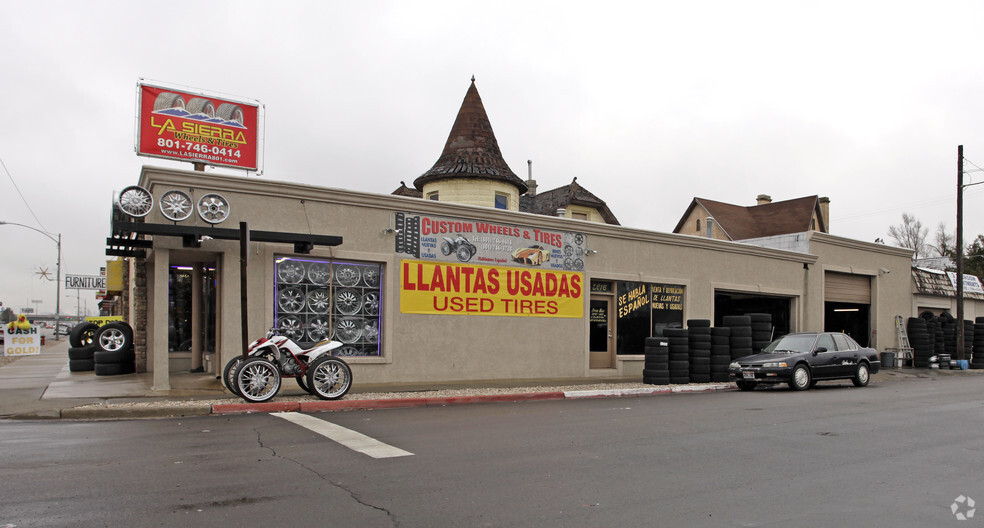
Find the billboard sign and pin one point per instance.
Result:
(189, 126)
(442, 239)
(470, 289)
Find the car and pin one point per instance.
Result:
(533, 255)
(802, 359)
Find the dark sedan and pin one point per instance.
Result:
(803, 359)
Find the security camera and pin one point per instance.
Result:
(885, 270)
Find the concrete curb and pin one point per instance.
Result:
(169, 410)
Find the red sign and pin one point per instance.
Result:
(186, 126)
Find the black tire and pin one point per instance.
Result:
(108, 357)
(168, 100)
(230, 112)
(446, 248)
(84, 352)
(655, 373)
(656, 380)
(741, 331)
(302, 383)
(329, 378)
(257, 380)
(199, 105)
(108, 369)
(82, 334)
(114, 336)
(698, 323)
(862, 376)
(229, 374)
(801, 379)
(463, 253)
(80, 365)
(746, 385)
(736, 320)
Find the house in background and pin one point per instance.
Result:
(724, 221)
(471, 170)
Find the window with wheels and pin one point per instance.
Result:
(317, 300)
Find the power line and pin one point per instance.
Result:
(12, 182)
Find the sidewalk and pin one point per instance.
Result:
(43, 387)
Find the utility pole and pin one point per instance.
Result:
(960, 299)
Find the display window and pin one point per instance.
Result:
(317, 300)
(643, 310)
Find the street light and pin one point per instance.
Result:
(57, 273)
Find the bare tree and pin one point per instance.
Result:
(944, 244)
(910, 234)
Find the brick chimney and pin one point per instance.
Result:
(825, 211)
(763, 199)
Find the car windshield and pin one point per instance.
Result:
(791, 344)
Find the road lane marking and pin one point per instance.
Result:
(347, 437)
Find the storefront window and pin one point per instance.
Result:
(329, 299)
(643, 310)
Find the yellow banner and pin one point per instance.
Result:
(444, 288)
(104, 319)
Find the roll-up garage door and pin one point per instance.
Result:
(844, 287)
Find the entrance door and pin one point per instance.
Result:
(601, 351)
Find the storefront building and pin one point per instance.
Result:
(521, 296)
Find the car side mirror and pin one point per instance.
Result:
(819, 350)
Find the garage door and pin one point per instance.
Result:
(844, 287)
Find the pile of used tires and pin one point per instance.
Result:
(701, 353)
(106, 349)
(933, 339)
(978, 359)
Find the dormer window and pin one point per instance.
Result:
(432, 196)
(501, 201)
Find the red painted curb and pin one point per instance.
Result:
(361, 405)
(533, 396)
(225, 408)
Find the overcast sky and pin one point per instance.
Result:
(648, 104)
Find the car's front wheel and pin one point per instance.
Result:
(862, 376)
(801, 379)
(745, 385)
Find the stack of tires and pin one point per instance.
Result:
(114, 349)
(679, 354)
(699, 342)
(720, 353)
(761, 330)
(81, 347)
(740, 334)
(969, 335)
(949, 325)
(977, 359)
(657, 366)
(922, 343)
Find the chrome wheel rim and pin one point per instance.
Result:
(136, 201)
(111, 340)
(258, 381)
(330, 379)
(176, 206)
(863, 374)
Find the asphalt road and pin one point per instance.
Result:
(895, 454)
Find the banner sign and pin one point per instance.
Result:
(21, 341)
(443, 239)
(971, 283)
(438, 288)
(103, 320)
(85, 282)
(187, 126)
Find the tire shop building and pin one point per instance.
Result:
(469, 275)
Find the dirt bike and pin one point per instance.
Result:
(460, 246)
(271, 358)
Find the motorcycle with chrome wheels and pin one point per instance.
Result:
(274, 357)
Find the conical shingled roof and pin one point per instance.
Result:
(471, 150)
